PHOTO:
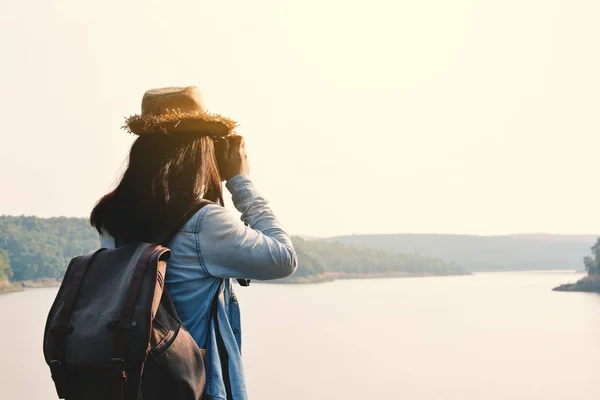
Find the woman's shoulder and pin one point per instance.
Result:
(211, 214)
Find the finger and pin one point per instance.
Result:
(236, 145)
(243, 152)
(242, 146)
(225, 149)
(242, 141)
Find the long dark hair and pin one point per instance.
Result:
(165, 177)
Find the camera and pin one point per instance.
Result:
(221, 147)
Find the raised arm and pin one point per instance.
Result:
(230, 249)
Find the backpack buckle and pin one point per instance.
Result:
(125, 324)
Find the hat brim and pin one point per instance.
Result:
(202, 123)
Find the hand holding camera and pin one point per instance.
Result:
(231, 157)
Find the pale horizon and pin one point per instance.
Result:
(465, 117)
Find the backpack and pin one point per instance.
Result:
(113, 331)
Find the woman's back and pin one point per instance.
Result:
(170, 171)
(211, 248)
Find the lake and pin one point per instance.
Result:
(492, 336)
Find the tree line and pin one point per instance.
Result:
(42, 247)
(33, 248)
(318, 257)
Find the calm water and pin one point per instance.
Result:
(490, 336)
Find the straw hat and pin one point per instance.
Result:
(177, 110)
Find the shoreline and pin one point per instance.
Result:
(19, 286)
(10, 289)
(586, 285)
(589, 284)
(337, 276)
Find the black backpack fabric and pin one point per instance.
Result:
(113, 331)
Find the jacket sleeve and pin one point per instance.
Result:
(228, 248)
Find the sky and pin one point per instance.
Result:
(429, 116)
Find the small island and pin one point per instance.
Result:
(590, 283)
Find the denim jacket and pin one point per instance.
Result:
(210, 249)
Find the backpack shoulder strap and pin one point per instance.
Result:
(59, 331)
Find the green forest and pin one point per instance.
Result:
(37, 248)
(33, 248)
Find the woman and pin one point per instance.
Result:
(172, 165)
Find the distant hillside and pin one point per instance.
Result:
(486, 253)
(308, 237)
(320, 260)
(33, 248)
